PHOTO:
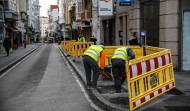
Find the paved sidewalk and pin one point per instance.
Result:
(15, 55)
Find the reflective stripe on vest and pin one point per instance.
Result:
(121, 53)
(94, 52)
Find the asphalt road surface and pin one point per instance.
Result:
(42, 82)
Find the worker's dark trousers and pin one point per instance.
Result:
(90, 63)
(118, 66)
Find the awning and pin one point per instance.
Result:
(15, 30)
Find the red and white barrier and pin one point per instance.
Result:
(83, 46)
(152, 95)
(149, 65)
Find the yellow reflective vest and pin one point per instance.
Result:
(82, 39)
(94, 52)
(121, 53)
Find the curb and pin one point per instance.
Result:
(17, 60)
(94, 94)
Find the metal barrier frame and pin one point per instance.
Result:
(140, 87)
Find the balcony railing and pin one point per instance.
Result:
(85, 16)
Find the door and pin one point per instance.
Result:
(186, 41)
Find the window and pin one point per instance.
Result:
(79, 10)
(79, 7)
(1, 13)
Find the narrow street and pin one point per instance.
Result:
(43, 82)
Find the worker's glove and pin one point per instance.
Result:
(102, 71)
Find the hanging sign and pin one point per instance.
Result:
(105, 7)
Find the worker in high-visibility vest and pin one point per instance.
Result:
(90, 60)
(81, 39)
(121, 55)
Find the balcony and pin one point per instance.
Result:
(10, 13)
(85, 16)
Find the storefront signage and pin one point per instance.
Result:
(105, 7)
(125, 2)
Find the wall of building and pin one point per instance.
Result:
(169, 26)
(95, 21)
(127, 20)
(67, 15)
(132, 19)
(44, 26)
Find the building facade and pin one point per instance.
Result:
(84, 19)
(2, 24)
(53, 21)
(33, 15)
(44, 26)
(61, 7)
(21, 24)
(164, 21)
(107, 28)
(37, 26)
(11, 14)
(67, 31)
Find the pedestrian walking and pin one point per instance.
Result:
(24, 41)
(93, 39)
(7, 44)
(121, 55)
(133, 39)
(90, 60)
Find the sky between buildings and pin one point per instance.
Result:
(45, 4)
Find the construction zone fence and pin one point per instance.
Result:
(76, 49)
(148, 76)
(80, 48)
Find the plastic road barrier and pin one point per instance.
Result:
(149, 76)
(70, 47)
(152, 50)
(64, 45)
(80, 48)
